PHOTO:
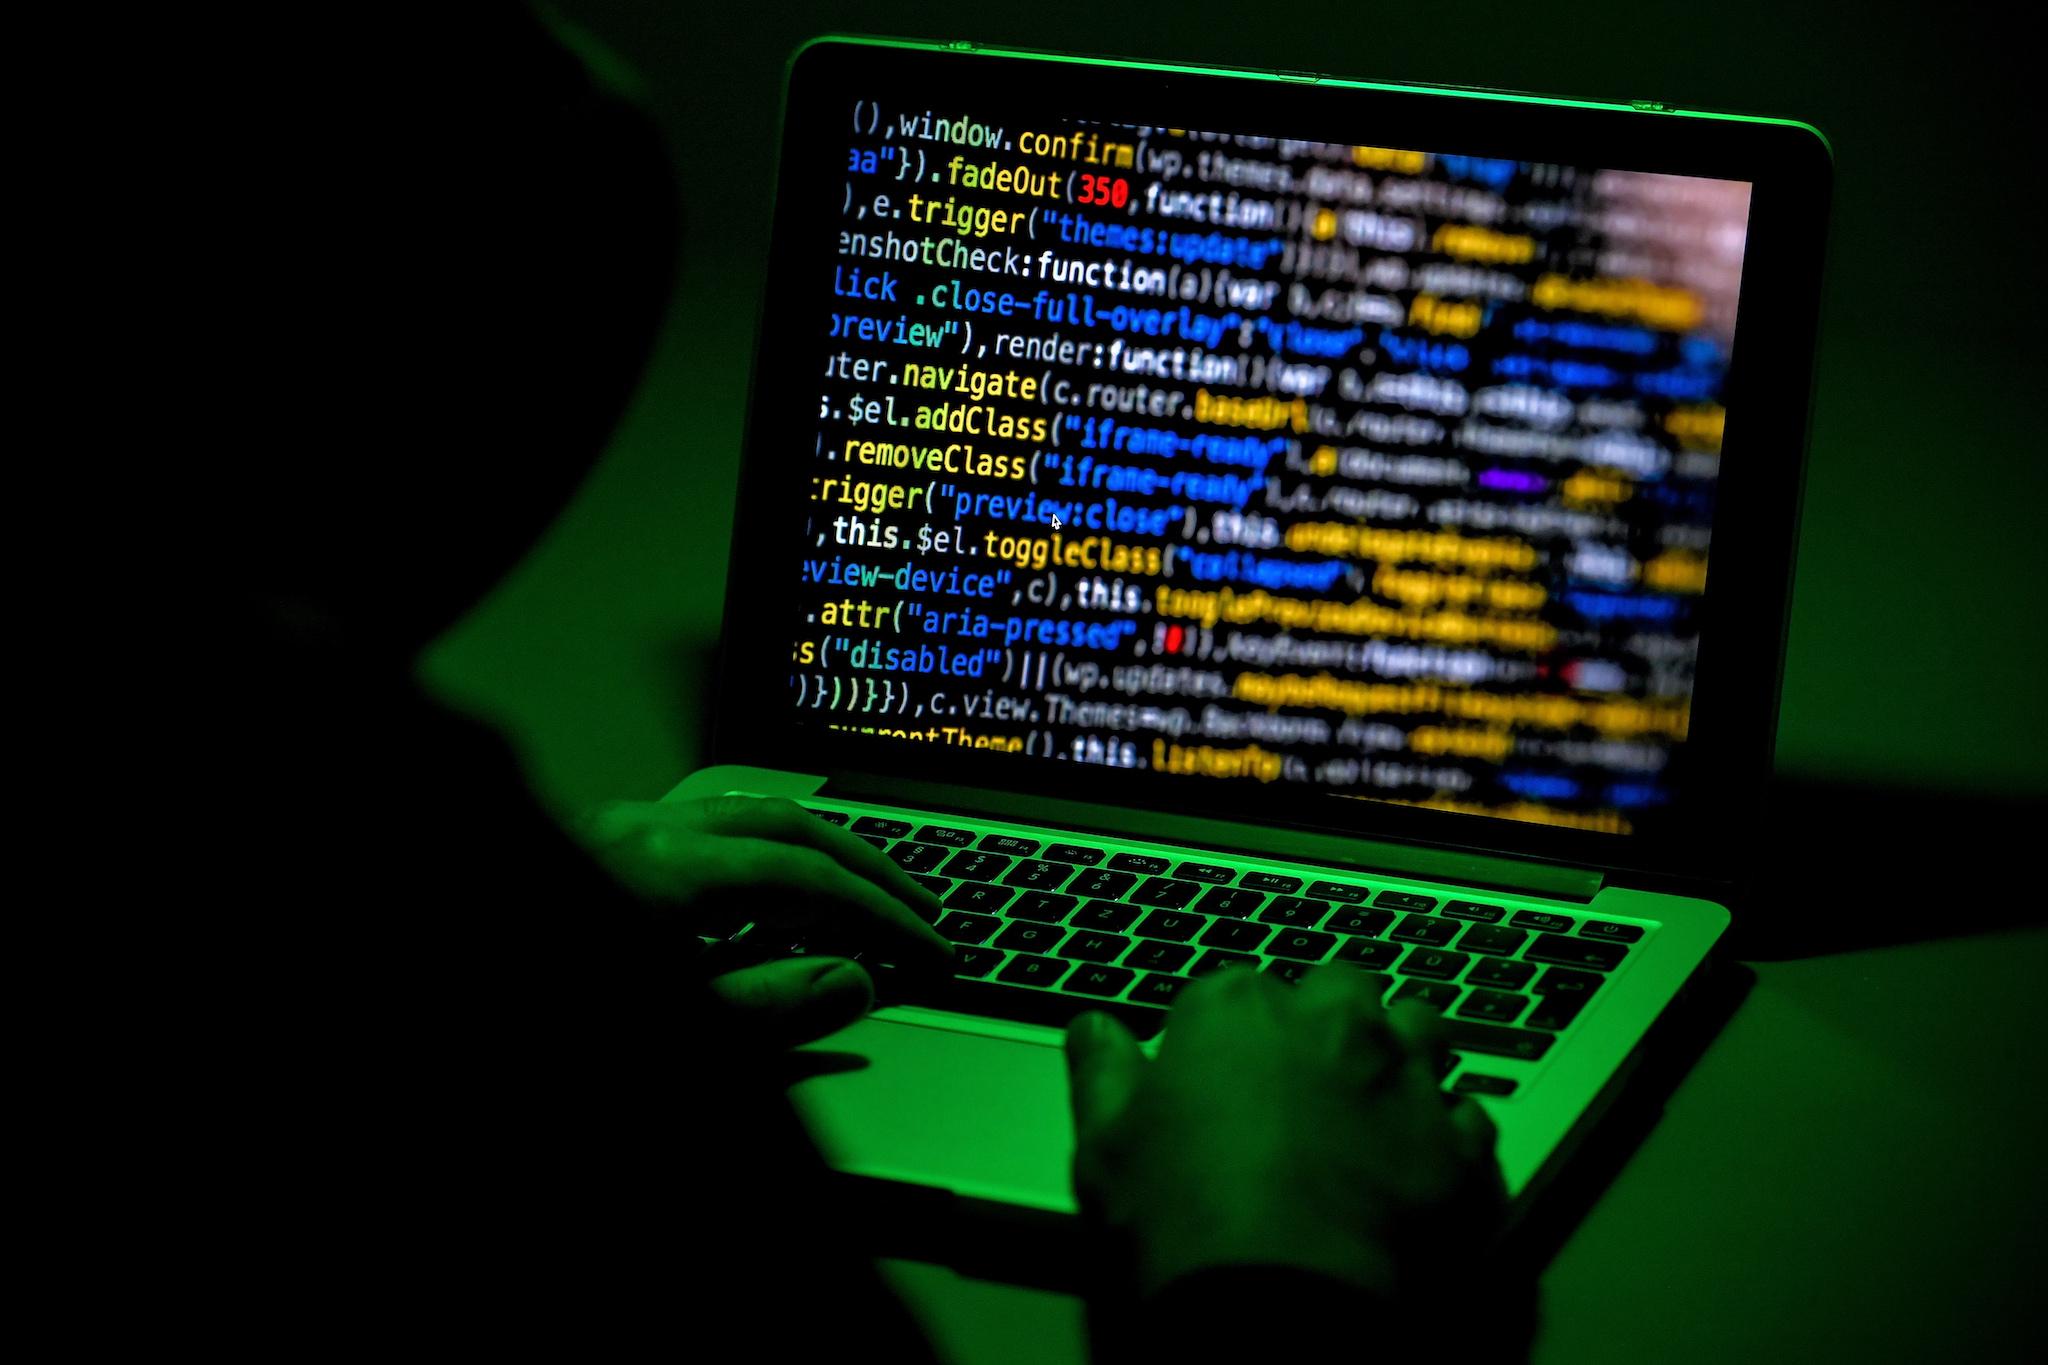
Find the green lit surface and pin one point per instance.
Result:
(1851, 1173)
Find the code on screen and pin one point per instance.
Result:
(1379, 471)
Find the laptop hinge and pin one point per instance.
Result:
(1268, 841)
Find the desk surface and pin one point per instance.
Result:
(1851, 1171)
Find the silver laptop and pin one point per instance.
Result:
(1198, 519)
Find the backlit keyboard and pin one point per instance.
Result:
(1048, 926)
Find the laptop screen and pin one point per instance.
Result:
(1383, 471)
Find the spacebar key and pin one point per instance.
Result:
(1023, 1003)
(1496, 1041)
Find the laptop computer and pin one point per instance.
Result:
(1200, 519)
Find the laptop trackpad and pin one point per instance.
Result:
(984, 1117)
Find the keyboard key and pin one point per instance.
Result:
(1155, 989)
(1139, 862)
(1497, 1007)
(1345, 892)
(722, 922)
(1032, 971)
(1565, 981)
(1575, 952)
(889, 979)
(877, 840)
(1345, 920)
(1270, 881)
(1107, 885)
(974, 961)
(1151, 955)
(1294, 910)
(1160, 891)
(912, 857)
(831, 817)
(1555, 1011)
(979, 897)
(1087, 945)
(1205, 872)
(1541, 919)
(1404, 900)
(1423, 929)
(975, 867)
(1472, 1083)
(1303, 945)
(1473, 910)
(938, 886)
(875, 824)
(1366, 953)
(944, 834)
(1435, 994)
(1239, 936)
(1608, 929)
(1092, 979)
(1009, 843)
(1079, 854)
(1177, 925)
(1290, 972)
(1109, 916)
(1497, 973)
(1036, 875)
(1492, 938)
(768, 943)
(1496, 1041)
(1029, 937)
(1228, 900)
(966, 928)
(1437, 964)
(1047, 906)
(1216, 959)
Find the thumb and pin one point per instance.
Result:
(1103, 1061)
(796, 999)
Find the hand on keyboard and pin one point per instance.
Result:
(806, 885)
(1300, 1126)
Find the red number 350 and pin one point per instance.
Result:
(1114, 191)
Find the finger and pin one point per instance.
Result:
(771, 875)
(777, 818)
(1424, 1040)
(1232, 1011)
(1338, 989)
(1475, 1129)
(1343, 1006)
(1420, 1030)
(1236, 985)
(1103, 1065)
(798, 999)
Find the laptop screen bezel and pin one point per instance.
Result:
(1746, 604)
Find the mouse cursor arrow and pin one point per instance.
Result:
(1055, 523)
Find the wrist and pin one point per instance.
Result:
(1309, 1242)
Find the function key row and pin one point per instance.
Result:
(947, 836)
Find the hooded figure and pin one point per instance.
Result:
(422, 1073)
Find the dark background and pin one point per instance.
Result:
(1916, 640)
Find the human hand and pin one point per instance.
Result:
(1296, 1126)
(772, 861)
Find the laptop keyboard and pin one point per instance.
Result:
(1047, 928)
